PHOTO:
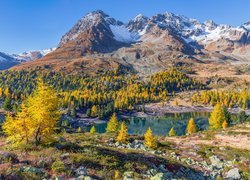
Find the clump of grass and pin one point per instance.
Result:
(58, 167)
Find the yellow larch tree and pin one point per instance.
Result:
(117, 175)
(7, 92)
(176, 103)
(150, 140)
(1, 92)
(218, 116)
(123, 133)
(172, 132)
(94, 111)
(224, 124)
(43, 107)
(36, 121)
(92, 130)
(113, 124)
(191, 127)
(17, 128)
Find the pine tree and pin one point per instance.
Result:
(191, 127)
(242, 117)
(113, 124)
(73, 112)
(150, 140)
(123, 133)
(218, 116)
(7, 104)
(172, 132)
(92, 130)
(88, 112)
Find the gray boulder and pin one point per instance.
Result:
(129, 175)
(233, 174)
(82, 171)
(216, 162)
(118, 144)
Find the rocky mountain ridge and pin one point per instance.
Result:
(145, 44)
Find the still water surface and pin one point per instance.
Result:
(161, 125)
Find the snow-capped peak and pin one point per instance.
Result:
(92, 19)
(33, 54)
(211, 24)
(140, 17)
(247, 25)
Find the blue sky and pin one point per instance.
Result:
(39, 24)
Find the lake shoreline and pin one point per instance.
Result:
(158, 109)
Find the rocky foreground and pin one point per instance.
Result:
(85, 156)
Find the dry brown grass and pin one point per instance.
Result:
(219, 138)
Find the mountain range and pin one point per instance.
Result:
(7, 61)
(144, 45)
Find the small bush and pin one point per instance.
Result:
(58, 167)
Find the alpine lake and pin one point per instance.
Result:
(161, 125)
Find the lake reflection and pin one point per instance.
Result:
(162, 125)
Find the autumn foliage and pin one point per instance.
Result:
(218, 116)
(191, 127)
(150, 140)
(123, 133)
(172, 132)
(113, 124)
(36, 121)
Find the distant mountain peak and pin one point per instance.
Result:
(32, 54)
(211, 24)
(160, 37)
(96, 19)
(247, 25)
(139, 17)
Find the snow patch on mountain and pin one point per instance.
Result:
(122, 34)
(221, 31)
(33, 54)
